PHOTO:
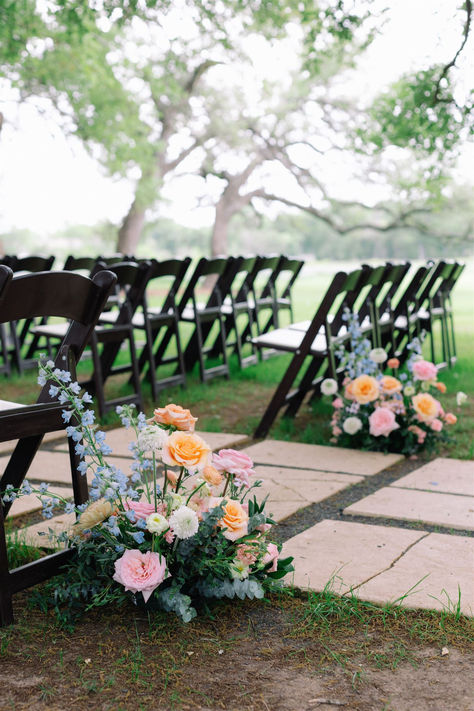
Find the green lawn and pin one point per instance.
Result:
(237, 404)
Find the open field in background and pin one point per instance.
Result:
(236, 405)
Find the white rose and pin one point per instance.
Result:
(156, 523)
(378, 355)
(151, 439)
(352, 425)
(461, 398)
(329, 386)
(409, 390)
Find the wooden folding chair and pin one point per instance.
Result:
(287, 273)
(205, 314)
(435, 306)
(314, 345)
(161, 325)
(80, 300)
(20, 332)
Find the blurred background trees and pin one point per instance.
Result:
(250, 103)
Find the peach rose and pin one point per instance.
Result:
(390, 385)
(211, 475)
(186, 449)
(441, 387)
(426, 407)
(235, 520)
(424, 370)
(172, 479)
(450, 419)
(176, 416)
(365, 389)
(382, 422)
(436, 425)
(393, 363)
(418, 432)
(349, 391)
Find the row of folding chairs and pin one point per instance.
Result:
(225, 302)
(393, 304)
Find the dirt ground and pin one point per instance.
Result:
(250, 656)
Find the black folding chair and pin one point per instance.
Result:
(435, 307)
(313, 346)
(20, 332)
(212, 279)
(161, 325)
(80, 300)
(287, 273)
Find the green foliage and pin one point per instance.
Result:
(413, 115)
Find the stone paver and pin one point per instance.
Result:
(37, 534)
(342, 554)
(314, 456)
(120, 438)
(292, 489)
(31, 503)
(446, 510)
(451, 476)
(49, 438)
(448, 563)
(51, 467)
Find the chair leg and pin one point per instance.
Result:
(6, 606)
(97, 377)
(135, 370)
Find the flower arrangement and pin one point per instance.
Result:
(179, 529)
(378, 411)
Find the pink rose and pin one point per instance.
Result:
(140, 572)
(424, 370)
(336, 431)
(337, 403)
(142, 509)
(271, 556)
(450, 418)
(436, 425)
(382, 422)
(236, 463)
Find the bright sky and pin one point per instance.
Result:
(48, 182)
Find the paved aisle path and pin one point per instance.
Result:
(410, 534)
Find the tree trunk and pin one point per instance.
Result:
(220, 230)
(131, 230)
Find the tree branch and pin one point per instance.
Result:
(450, 65)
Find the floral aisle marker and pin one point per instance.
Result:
(199, 536)
(376, 411)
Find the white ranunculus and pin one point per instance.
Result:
(409, 390)
(156, 523)
(461, 398)
(329, 386)
(378, 355)
(352, 425)
(152, 439)
(184, 522)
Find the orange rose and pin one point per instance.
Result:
(426, 407)
(211, 475)
(186, 449)
(235, 520)
(175, 415)
(390, 385)
(393, 363)
(441, 387)
(365, 389)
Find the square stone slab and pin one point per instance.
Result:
(451, 476)
(447, 561)
(119, 439)
(315, 456)
(37, 534)
(342, 555)
(446, 510)
(51, 467)
(31, 503)
(48, 439)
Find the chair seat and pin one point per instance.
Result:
(7, 405)
(56, 330)
(287, 339)
(188, 311)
